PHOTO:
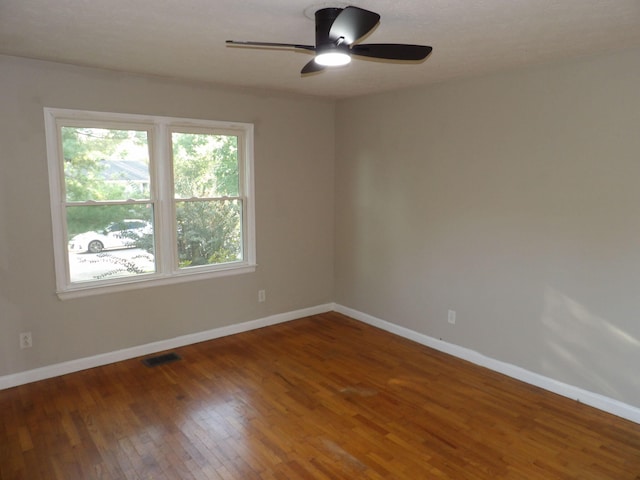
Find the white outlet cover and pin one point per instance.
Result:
(25, 340)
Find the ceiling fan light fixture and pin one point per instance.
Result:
(332, 58)
(338, 34)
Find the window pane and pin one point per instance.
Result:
(103, 164)
(110, 241)
(205, 165)
(209, 232)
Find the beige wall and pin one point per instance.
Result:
(514, 200)
(294, 158)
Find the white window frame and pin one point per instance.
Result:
(160, 165)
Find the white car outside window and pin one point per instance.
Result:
(122, 234)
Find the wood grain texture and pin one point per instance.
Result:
(324, 397)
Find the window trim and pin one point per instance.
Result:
(159, 130)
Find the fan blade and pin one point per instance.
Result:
(353, 23)
(392, 51)
(270, 44)
(312, 67)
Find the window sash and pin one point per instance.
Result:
(161, 197)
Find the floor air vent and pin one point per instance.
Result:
(161, 359)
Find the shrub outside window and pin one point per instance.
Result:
(139, 200)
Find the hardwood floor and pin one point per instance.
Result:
(324, 397)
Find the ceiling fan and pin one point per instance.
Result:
(337, 33)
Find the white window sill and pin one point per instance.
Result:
(151, 280)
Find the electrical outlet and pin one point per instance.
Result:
(25, 340)
(262, 296)
(451, 317)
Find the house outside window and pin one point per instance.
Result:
(143, 200)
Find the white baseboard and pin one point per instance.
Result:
(601, 402)
(596, 400)
(64, 368)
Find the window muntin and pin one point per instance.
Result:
(149, 200)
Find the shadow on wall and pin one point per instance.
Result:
(590, 347)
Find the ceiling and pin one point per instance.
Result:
(185, 39)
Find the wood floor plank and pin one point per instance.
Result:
(323, 397)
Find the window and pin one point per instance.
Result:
(140, 200)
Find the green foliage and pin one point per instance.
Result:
(205, 165)
(84, 151)
(209, 231)
(205, 169)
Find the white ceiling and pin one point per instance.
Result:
(185, 38)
